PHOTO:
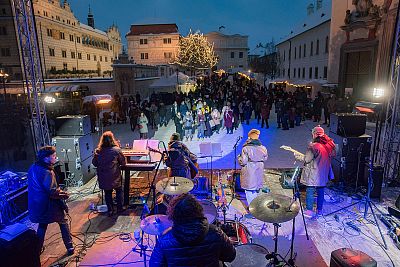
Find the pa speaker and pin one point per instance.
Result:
(347, 257)
(72, 125)
(348, 124)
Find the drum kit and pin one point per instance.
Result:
(268, 208)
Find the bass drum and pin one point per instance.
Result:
(249, 255)
(210, 210)
(238, 233)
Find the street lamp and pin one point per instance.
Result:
(4, 76)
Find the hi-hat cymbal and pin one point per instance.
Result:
(174, 185)
(274, 208)
(155, 224)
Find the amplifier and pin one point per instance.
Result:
(346, 171)
(77, 173)
(73, 148)
(72, 125)
(347, 257)
(352, 147)
(377, 180)
(348, 124)
(15, 205)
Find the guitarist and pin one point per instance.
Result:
(45, 198)
(317, 169)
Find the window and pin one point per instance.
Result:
(299, 51)
(3, 10)
(53, 68)
(3, 31)
(71, 37)
(62, 35)
(58, 18)
(79, 55)
(304, 73)
(294, 73)
(88, 56)
(50, 32)
(325, 72)
(298, 73)
(240, 54)
(105, 59)
(94, 57)
(5, 52)
(72, 54)
(74, 69)
(326, 44)
(78, 40)
(316, 73)
(68, 21)
(284, 55)
(304, 50)
(311, 48)
(144, 55)
(143, 41)
(167, 40)
(232, 54)
(288, 73)
(101, 58)
(283, 73)
(295, 52)
(65, 66)
(167, 54)
(52, 52)
(317, 48)
(310, 73)
(63, 53)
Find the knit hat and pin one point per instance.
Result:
(175, 137)
(45, 152)
(318, 130)
(253, 134)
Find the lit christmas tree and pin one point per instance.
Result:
(195, 52)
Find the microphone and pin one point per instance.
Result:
(153, 150)
(239, 137)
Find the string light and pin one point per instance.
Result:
(196, 52)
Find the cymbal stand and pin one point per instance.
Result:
(296, 196)
(273, 257)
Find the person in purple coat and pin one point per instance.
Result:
(228, 118)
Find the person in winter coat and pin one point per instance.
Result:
(216, 117)
(188, 125)
(247, 109)
(178, 120)
(228, 118)
(108, 159)
(179, 159)
(191, 241)
(265, 109)
(330, 108)
(235, 110)
(162, 112)
(134, 113)
(252, 161)
(45, 198)
(317, 169)
(201, 124)
(208, 129)
(142, 124)
(317, 107)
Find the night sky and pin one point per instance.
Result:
(261, 20)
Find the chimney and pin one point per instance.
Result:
(310, 9)
(319, 4)
(90, 18)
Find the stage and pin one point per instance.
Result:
(104, 241)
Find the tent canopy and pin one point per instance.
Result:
(64, 88)
(95, 98)
(171, 81)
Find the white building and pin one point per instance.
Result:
(231, 51)
(304, 53)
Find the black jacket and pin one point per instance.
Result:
(191, 244)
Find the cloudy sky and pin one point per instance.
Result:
(261, 20)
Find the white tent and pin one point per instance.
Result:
(171, 81)
(95, 98)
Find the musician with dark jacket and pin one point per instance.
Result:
(191, 241)
(45, 198)
(317, 169)
(108, 159)
(179, 160)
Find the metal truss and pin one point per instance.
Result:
(390, 152)
(34, 84)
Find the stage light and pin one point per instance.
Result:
(103, 101)
(49, 99)
(378, 92)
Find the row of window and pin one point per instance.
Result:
(78, 55)
(46, 14)
(165, 41)
(3, 31)
(301, 73)
(301, 50)
(85, 39)
(5, 52)
(167, 55)
(233, 54)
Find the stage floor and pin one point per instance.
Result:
(97, 236)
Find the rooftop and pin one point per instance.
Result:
(152, 29)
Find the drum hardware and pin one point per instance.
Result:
(155, 224)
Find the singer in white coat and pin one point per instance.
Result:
(252, 161)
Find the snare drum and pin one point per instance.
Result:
(210, 210)
(249, 255)
(238, 233)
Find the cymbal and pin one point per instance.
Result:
(174, 185)
(274, 208)
(155, 224)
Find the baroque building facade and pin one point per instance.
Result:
(66, 45)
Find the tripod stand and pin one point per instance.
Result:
(234, 176)
(274, 256)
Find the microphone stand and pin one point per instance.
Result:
(235, 169)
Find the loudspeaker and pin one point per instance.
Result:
(377, 180)
(15, 205)
(347, 257)
(19, 246)
(73, 148)
(78, 173)
(72, 125)
(346, 171)
(348, 124)
(350, 147)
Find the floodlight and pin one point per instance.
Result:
(49, 99)
(378, 92)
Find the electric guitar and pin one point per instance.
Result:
(288, 148)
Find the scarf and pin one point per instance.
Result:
(252, 142)
(45, 165)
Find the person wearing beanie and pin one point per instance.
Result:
(317, 169)
(45, 198)
(252, 161)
